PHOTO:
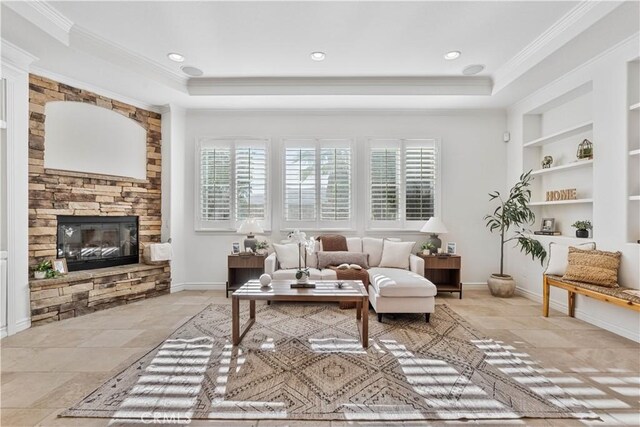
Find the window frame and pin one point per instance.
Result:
(402, 223)
(318, 144)
(232, 224)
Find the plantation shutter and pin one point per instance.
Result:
(335, 181)
(215, 182)
(420, 180)
(250, 180)
(385, 183)
(300, 182)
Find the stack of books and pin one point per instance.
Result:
(547, 233)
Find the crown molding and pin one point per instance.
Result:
(578, 19)
(15, 56)
(95, 45)
(93, 88)
(274, 86)
(44, 16)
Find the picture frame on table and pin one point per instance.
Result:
(60, 265)
(451, 248)
(235, 248)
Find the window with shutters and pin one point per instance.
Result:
(404, 182)
(233, 183)
(318, 183)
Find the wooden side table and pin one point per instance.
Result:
(241, 269)
(444, 272)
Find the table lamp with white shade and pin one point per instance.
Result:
(434, 227)
(250, 227)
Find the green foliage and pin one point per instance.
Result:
(262, 245)
(582, 225)
(51, 274)
(44, 266)
(427, 246)
(513, 211)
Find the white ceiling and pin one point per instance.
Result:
(265, 39)
(255, 55)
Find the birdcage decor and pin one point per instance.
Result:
(585, 150)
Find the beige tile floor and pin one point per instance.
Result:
(46, 369)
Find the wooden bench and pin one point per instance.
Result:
(616, 296)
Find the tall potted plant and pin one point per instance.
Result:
(512, 211)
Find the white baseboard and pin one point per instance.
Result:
(198, 286)
(627, 333)
(21, 325)
(3, 332)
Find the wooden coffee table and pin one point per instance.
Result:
(280, 290)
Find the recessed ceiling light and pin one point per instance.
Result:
(318, 56)
(191, 71)
(175, 57)
(472, 69)
(450, 56)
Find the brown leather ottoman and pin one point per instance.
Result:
(351, 274)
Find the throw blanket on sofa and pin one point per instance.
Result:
(333, 242)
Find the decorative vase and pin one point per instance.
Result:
(426, 252)
(39, 274)
(501, 286)
(265, 280)
(583, 234)
(303, 279)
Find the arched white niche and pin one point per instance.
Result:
(85, 138)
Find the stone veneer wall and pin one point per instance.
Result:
(55, 192)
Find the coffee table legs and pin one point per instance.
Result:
(362, 319)
(236, 335)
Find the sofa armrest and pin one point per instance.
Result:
(270, 264)
(416, 264)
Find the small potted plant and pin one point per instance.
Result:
(261, 247)
(582, 228)
(42, 269)
(302, 275)
(428, 248)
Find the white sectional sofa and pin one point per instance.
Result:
(391, 290)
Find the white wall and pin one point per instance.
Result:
(609, 104)
(15, 202)
(87, 138)
(473, 156)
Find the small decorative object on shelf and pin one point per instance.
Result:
(582, 228)
(451, 248)
(566, 194)
(265, 280)
(60, 266)
(548, 224)
(46, 270)
(585, 150)
(261, 247)
(235, 248)
(547, 162)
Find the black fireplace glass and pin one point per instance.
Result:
(89, 242)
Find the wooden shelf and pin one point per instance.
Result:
(573, 130)
(634, 153)
(634, 198)
(562, 202)
(635, 107)
(577, 164)
(561, 238)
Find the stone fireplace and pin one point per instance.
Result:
(94, 221)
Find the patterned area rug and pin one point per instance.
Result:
(304, 361)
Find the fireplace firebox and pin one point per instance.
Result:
(89, 242)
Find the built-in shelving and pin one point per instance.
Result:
(578, 164)
(558, 136)
(635, 106)
(634, 198)
(634, 152)
(562, 202)
(633, 147)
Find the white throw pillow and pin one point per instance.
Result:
(559, 257)
(373, 247)
(288, 256)
(396, 254)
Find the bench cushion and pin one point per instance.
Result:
(619, 292)
(392, 282)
